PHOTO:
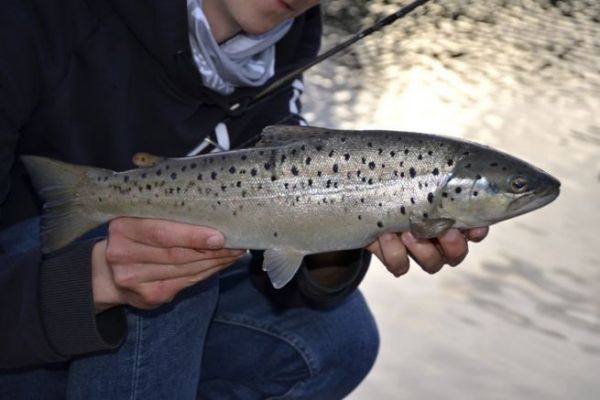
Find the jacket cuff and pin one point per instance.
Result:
(67, 304)
(325, 286)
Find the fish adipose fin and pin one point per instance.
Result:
(64, 218)
(280, 135)
(143, 159)
(430, 228)
(281, 265)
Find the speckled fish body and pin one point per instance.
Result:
(306, 190)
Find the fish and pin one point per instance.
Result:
(300, 191)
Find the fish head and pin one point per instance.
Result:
(488, 186)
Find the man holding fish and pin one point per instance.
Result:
(92, 83)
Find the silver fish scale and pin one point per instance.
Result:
(300, 194)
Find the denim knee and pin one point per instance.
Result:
(345, 351)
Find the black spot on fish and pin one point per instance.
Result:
(412, 200)
(401, 163)
(331, 153)
(494, 164)
(370, 144)
(99, 178)
(287, 185)
(379, 151)
(360, 217)
(144, 175)
(380, 204)
(392, 153)
(295, 171)
(372, 165)
(158, 172)
(403, 210)
(183, 168)
(362, 199)
(148, 187)
(171, 190)
(420, 157)
(173, 175)
(380, 224)
(430, 197)
(335, 168)
(262, 153)
(294, 151)
(363, 179)
(435, 171)
(267, 166)
(223, 188)
(370, 181)
(126, 179)
(458, 190)
(310, 182)
(406, 151)
(283, 158)
(445, 194)
(395, 173)
(213, 175)
(328, 184)
(346, 156)
(319, 173)
(242, 171)
(253, 172)
(425, 215)
(232, 170)
(238, 183)
(412, 172)
(273, 178)
(475, 193)
(303, 147)
(335, 185)
(100, 199)
(468, 165)
(199, 177)
(318, 147)
(244, 193)
(343, 139)
(274, 234)
(430, 152)
(402, 174)
(450, 162)
(477, 177)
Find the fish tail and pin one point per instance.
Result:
(64, 217)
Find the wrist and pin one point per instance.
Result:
(105, 292)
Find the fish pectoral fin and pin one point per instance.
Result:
(281, 265)
(430, 228)
(280, 135)
(143, 159)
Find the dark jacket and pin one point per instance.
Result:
(93, 82)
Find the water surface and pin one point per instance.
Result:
(520, 318)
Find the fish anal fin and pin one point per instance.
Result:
(425, 228)
(281, 265)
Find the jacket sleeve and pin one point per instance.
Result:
(46, 306)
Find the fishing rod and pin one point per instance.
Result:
(281, 84)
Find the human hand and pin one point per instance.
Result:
(431, 254)
(146, 262)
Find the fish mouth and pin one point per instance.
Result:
(533, 200)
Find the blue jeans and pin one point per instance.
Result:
(220, 339)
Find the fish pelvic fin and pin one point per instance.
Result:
(281, 265)
(57, 183)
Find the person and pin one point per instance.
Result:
(146, 308)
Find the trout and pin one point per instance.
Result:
(300, 191)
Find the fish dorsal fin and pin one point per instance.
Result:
(281, 265)
(280, 135)
(430, 228)
(143, 159)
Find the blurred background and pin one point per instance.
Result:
(520, 318)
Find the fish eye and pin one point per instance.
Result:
(518, 184)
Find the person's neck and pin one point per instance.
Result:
(220, 20)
